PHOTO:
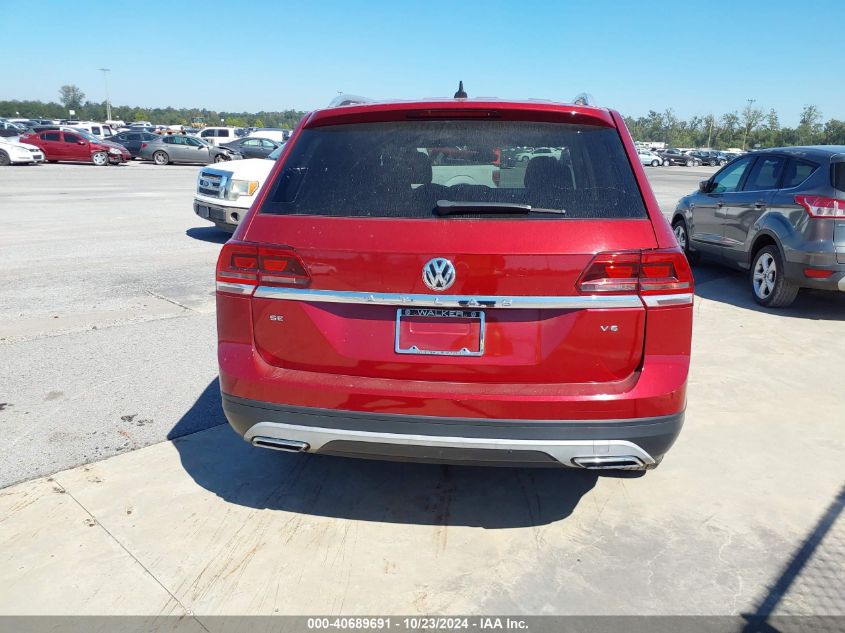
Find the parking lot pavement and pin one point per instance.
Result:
(743, 516)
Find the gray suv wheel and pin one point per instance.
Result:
(768, 283)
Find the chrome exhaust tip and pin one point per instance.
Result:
(608, 462)
(290, 446)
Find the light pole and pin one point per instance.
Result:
(106, 72)
(748, 122)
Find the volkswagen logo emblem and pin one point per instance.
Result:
(438, 274)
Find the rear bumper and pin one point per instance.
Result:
(636, 444)
(836, 281)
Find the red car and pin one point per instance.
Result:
(541, 317)
(76, 146)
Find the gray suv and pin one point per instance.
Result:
(779, 213)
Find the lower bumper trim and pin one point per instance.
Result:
(573, 453)
(637, 443)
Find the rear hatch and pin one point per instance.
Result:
(404, 249)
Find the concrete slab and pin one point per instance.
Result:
(56, 559)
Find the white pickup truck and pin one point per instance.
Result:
(227, 190)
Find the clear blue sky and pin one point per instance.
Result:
(696, 57)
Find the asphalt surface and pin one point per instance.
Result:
(107, 346)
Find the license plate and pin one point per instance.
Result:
(440, 332)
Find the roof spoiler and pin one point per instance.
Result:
(344, 99)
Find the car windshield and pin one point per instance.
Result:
(407, 169)
(276, 152)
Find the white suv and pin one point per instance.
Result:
(218, 135)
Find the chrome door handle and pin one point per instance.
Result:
(720, 204)
(759, 205)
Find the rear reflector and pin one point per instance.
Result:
(822, 207)
(817, 273)
(245, 263)
(658, 272)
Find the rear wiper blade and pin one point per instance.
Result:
(448, 207)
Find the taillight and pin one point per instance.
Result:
(657, 272)
(822, 207)
(143, 145)
(497, 177)
(248, 264)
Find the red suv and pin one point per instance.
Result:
(375, 304)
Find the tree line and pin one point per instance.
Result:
(72, 98)
(749, 129)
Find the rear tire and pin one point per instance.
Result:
(161, 158)
(4, 159)
(768, 279)
(690, 162)
(100, 159)
(679, 228)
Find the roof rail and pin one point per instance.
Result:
(584, 99)
(344, 99)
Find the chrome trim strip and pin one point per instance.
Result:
(237, 289)
(564, 451)
(659, 301)
(449, 301)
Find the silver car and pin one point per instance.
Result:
(179, 148)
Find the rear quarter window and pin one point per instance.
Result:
(401, 170)
(797, 171)
(838, 176)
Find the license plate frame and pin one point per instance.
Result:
(434, 313)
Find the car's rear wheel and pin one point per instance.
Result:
(679, 228)
(100, 159)
(4, 159)
(768, 280)
(655, 163)
(690, 162)
(161, 158)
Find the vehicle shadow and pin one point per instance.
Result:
(219, 461)
(718, 283)
(209, 234)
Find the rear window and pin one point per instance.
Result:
(402, 169)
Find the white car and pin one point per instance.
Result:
(225, 191)
(15, 153)
(648, 157)
(551, 152)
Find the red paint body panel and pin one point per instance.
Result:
(538, 364)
